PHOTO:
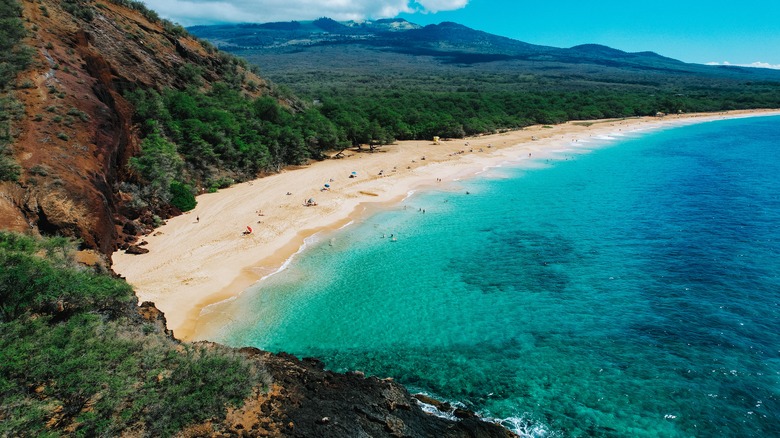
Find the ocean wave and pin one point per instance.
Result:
(314, 238)
(311, 240)
(346, 225)
(525, 427)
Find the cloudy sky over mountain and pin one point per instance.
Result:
(701, 31)
(189, 12)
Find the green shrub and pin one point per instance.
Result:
(15, 57)
(29, 283)
(79, 9)
(182, 196)
(73, 111)
(10, 170)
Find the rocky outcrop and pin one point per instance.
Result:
(303, 399)
(307, 401)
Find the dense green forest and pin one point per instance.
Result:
(214, 138)
(422, 114)
(75, 353)
(210, 139)
(412, 102)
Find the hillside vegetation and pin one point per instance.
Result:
(15, 57)
(77, 358)
(213, 138)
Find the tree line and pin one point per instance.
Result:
(210, 139)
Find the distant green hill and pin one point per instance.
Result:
(327, 42)
(387, 79)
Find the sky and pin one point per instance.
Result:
(700, 31)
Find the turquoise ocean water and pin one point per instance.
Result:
(630, 291)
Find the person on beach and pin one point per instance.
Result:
(197, 219)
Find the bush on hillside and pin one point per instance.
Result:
(182, 196)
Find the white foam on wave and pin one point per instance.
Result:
(436, 412)
(346, 225)
(314, 238)
(492, 167)
(524, 427)
(211, 308)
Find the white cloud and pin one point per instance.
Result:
(441, 5)
(190, 12)
(754, 64)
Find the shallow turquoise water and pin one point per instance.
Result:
(630, 291)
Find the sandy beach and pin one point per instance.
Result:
(203, 257)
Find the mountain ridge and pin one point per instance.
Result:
(449, 40)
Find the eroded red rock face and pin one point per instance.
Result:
(76, 135)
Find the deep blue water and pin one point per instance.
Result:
(630, 291)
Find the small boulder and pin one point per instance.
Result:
(135, 249)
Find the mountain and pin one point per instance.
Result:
(446, 48)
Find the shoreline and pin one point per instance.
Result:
(193, 264)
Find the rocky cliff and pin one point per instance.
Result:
(76, 135)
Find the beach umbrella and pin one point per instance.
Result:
(327, 185)
(248, 229)
(354, 173)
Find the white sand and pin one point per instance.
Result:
(194, 264)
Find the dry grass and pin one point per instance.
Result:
(60, 208)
